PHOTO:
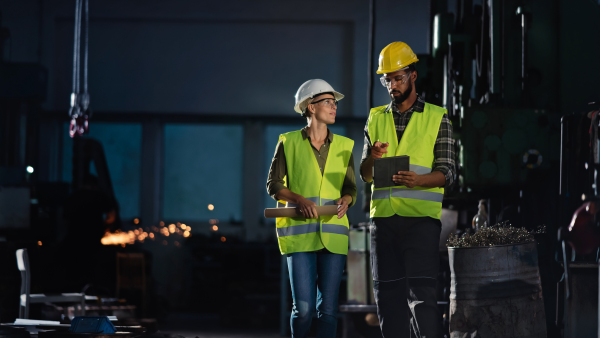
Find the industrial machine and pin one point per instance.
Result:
(579, 239)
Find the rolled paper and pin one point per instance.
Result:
(326, 210)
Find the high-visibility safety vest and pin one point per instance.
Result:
(417, 142)
(304, 177)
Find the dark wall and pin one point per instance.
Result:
(579, 54)
(199, 57)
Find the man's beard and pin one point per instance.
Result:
(403, 96)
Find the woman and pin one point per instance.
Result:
(312, 167)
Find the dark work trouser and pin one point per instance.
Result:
(405, 261)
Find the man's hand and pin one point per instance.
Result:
(307, 208)
(379, 149)
(342, 207)
(407, 178)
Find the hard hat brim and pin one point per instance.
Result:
(338, 96)
(395, 69)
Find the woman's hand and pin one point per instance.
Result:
(343, 205)
(307, 208)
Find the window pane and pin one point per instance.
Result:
(203, 166)
(272, 133)
(122, 143)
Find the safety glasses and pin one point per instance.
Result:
(328, 102)
(388, 81)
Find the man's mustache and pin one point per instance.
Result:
(396, 91)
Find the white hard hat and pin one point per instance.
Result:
(310, 89)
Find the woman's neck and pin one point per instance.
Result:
(316, 130)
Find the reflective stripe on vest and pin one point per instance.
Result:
(419, 170)
(408, 193)
(307, 228)
(417, 142)
(304, 177)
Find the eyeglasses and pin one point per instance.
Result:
(387, 81)
(328, 102)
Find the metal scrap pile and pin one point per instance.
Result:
(499, 234)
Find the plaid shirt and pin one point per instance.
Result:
(444, 144)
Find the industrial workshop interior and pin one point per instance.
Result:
(178, 168)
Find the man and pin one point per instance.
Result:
(406, 218)
(89, 212)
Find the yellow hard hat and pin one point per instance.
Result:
(394, 57)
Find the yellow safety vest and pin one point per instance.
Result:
(304, 178)
(417, 142)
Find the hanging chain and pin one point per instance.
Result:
(79, 111)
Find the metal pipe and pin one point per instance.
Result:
(40, 30)
(523, 51)
(567, 270)
(371, 53)
(85, 48)
(75, 47)
(562, 154)
(503, 55)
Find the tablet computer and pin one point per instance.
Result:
(385, 168)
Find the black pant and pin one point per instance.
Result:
(405, 261)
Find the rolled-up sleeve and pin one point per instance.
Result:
(444, 160)
(366, 150)
(349, 186)
(277, 172)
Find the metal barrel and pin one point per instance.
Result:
(496, 292)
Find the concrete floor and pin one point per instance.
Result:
(194, 334)
(207, 326)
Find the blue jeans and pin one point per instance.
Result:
(310, 293)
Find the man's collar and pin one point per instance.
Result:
(418, 106)
(305, 134)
